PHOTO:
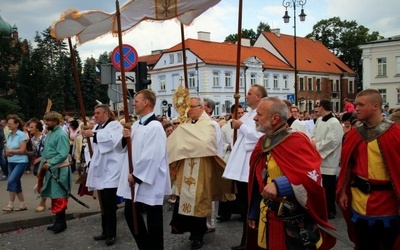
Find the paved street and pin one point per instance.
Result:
(27, 229)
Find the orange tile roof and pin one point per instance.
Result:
(225, 53)
(312, 55)
(150, 59)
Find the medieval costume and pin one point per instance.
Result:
(370, 177)
(152, 181)
(196, 170)
(103, 175)
(290, 161)
(55, 155)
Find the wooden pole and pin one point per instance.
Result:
(239, 48)
(184, 56)
(82, 108)
(126, 113)
(79, 91)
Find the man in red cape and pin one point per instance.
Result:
(283, 165)
(369, 180)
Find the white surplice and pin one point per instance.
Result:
(106, 162)
(237, 167)
(150, 165)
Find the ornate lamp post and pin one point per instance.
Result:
(293, 4)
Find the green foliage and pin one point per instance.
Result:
(249, 33)
(9, 107)
(343, 39)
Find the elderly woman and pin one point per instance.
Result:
(17, 162)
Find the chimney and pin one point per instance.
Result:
(203, 35)
(246, 42)
(277, 32)
(313, 38)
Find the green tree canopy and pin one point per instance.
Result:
(343, 39)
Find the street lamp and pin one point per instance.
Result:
(293, 4)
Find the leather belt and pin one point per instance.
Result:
(367, 187)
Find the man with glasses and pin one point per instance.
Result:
(196, 170)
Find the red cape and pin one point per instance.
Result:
(297, 158)
(389, 143)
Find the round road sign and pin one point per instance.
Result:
(130, 57)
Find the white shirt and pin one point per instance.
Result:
(150, 165)
(237, 168)
(106, 163)
(328, 135)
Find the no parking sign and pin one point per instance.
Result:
(130, 57)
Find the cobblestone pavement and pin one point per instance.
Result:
(30, 231)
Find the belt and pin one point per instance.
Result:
(367, 187)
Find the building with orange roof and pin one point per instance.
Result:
(321, 75)
(211, 68)
(212, 72)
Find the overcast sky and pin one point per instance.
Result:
(221, 20)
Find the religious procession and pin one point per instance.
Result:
(285, 176)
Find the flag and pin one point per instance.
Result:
(89, 25)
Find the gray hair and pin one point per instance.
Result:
(201, 101)
(277, 107)
(210, 104)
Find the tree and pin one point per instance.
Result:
(249, 33)
(343, 39)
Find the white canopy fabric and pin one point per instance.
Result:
(89, 25)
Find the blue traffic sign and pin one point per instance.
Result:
(290, 98)
(130, 57)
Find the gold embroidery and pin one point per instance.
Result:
(186, 207)
(165, 9)
(190, 180)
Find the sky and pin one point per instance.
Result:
(221, 20)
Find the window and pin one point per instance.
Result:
(285, 82)
(215, 79)
(192, 80)
(228, 82)
(217, 110)
(179, 57)
(337, 86)
(318, 84)
(276, 83)
(265, 81)
(301, 84)
(241, 83)
(333, 84)
(162, 83)
(171, 58)
(398, 95)
(351, 87)
(252, 78)
(310, 87)
(383, 94)
(397, 65)
(382, 66)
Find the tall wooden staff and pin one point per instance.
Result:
(82, 107)
(239, 48)
(79, 92)
(126, 113)
(184, 56)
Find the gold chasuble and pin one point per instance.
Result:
(195, 167)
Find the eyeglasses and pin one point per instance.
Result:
(194, 106)
(176, 123)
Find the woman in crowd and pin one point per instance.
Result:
(17, 161)
(37, 140)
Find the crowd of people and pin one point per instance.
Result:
(283, 171)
